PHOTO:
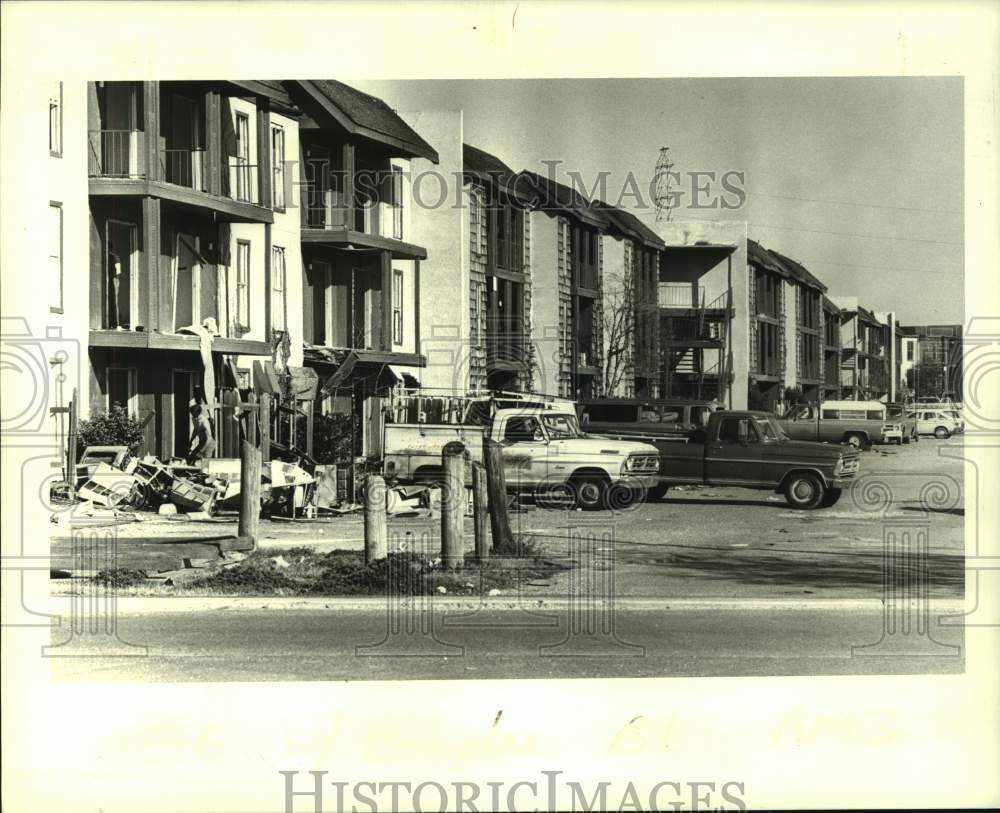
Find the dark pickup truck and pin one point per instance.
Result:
(750, 450)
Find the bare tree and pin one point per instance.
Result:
(618, 319)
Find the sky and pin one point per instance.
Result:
(859, 179)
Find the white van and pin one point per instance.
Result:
(942, 421)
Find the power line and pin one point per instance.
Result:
(858, 234)
(883, 267)
(863, 205)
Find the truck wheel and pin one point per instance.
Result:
(941, 433)
(832, 495)
(857, 440)
(804, 491)
(657, 492)
(591, 492)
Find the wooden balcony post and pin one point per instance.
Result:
(386, 315)
(150, 264)
(348, 184)
(213, 142)
(264, 173)
(151, 129)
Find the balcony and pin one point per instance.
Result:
(115, 154)
(588, 355)
(681, 295)
(185, 168)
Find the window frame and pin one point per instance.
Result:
(398, 287)
(56, 104)
(58, 207)
(279, 274)
(278, 202)
(242, 284)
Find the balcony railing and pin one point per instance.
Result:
(325, 210)
(185, 168)
(243, 184)
(115, 154)
(681, 295)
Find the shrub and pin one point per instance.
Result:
(113, 428)
(333, 438)
(119, 577)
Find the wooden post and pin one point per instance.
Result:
(453, 505)
(249, 491)
(479, 512)
(496, 486)
(265, 426)
(376, 531)
(72, 432)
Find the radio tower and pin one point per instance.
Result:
(664, 196)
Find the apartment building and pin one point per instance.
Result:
(804, 359)
(361, 263)
(566, 302)
(831, 350)
(703, 306)
(629, 294)
(44, 211)
(865, 373)
(192, 250)
(930, 361)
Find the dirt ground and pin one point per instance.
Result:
(698, 542)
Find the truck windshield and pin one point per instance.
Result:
(561, 426)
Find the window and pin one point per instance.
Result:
(397, 307)
(55, 236)
(506, 227)
(278, 168)
(396, 192)
(729, 431)
(242, 286)
(242, 157)
(521, 429)
(278, 282)
(55, 120)
(122, 390)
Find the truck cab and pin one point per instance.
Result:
(749, 449)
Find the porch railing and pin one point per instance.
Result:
(681, 295)
(185, 168)
(114, 154)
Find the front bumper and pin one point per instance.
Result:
(640, 481)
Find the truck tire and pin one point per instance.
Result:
(832, 495)
(590, 491)
(942, 433)
(804, 491)
(857, 440)
(657, 492)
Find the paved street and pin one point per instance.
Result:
(247, 640)
(706, 582)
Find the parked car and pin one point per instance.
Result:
(942, 423)
(750, 449)
(544, 452)
(859, 423)
(614, 416)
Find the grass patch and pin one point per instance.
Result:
(119, 577)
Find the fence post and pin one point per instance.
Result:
(479, 511)
(453, 505)
(249, 491)
(376, 530)
(265, 426)
(496, 486)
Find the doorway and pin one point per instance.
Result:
(183, 390)
(121, 265)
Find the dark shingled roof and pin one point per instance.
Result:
(762, 258)
(491, 170)
(367, 116)
(829, 305)
(798, 271)
(624, 223)
(552, 196)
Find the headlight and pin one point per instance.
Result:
(641, 463)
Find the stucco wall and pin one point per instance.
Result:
(439, 223)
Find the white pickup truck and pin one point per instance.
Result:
(544, 453)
